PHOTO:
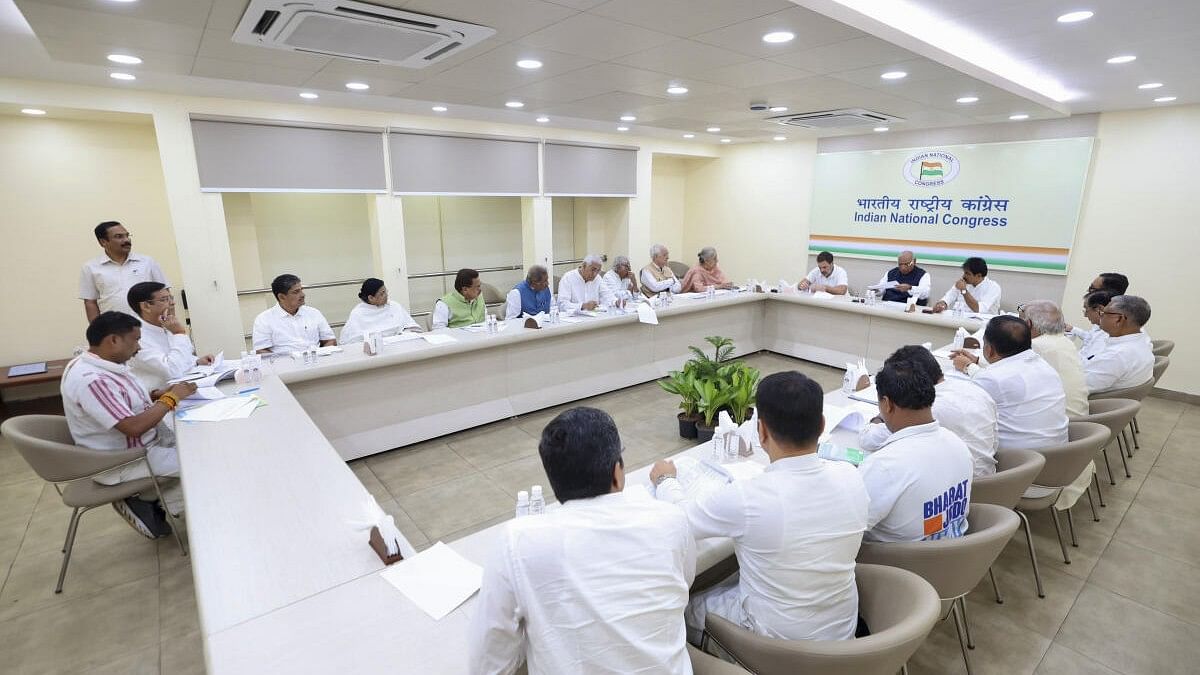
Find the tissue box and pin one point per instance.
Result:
(380, 548)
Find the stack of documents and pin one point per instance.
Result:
(700, 477)
(849, 418)
(232, 408)
(437, 579)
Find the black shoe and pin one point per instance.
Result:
(149, 514)
(136, 517)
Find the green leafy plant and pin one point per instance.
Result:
(742, 387)
(682, 383)
(705, 367)
(714, 395)
(709, 384)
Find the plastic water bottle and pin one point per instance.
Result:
(710, 292)
(960, 307)
(553, 312)
(537, 503)
(718, 445)
(960, 337)
(522, 503)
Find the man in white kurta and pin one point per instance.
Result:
(980, 294)
(581, 289)
(826, 277)
(658, 277)
(919, 480)
(104, 281)
(291, 325)
(596, 585)
(1046, 325)
(1127, 358)
(1030, 401)
(166, 351)
(796, 527)
(621, 279)
(960, 406)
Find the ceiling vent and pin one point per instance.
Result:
(832, 119)
(356, 30)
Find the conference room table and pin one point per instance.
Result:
(284, 581)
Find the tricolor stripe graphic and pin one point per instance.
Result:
(1024, 258)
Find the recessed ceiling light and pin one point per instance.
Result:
(689, 135)
(781, 138)
(358, 86)
(726, 140)
(125, 59)
(1150, 85)
(628, 118)
(439, 108)
(779, 36)
(33, 111)
(1160, 99)
(1018, 116)
(966, 99)
(677, 89)
(894, 75)
(1122, 59)
(713, 130)
(778, 108)
(514, 104)
(529, 64)
(309, 95)
(1073, 17)
(622, 128)
(881, 129)
(122, 76)
(543, 119)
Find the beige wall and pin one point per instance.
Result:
(1139, 218)
(58, 179)
(668, 201)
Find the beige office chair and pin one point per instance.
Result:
(1116, 414)
(678, 268)
(1160, 367)
(1162, 347)
(46, 444)
(952, 566)
(704, 663)
(899, 607)
(1064, 463)
(1137, 393)
(1015, 471)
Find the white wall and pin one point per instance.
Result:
(668, 204)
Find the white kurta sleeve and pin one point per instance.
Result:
(324, 331)
(951, 296)
(923, 286)
(497, 643)
(604, 294)
(571, 295)
(261, 335)
(1103, 370)
(441, 315)
(988, 298)
(352, 331)
(840, 277)
(657, 286)
(177, 360)
(87, 285)
(512, 304)
(872, 436)
(719, 514)
(155, 273)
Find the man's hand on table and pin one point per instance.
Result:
(663, 468)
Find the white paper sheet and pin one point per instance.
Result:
(232, 408)
(837, 416)
(437, 580)
(437, 338)
(400, 337)
(646, 314)
(884, 286)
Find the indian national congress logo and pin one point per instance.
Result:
(930, 169)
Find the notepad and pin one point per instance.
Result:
(437, 580)
(27, 369)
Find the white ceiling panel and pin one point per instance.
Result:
(97, 54)
(580, 5)
(686, 18)
(216, 44)
(753, 73)
(496, 71)
(610, 105)
(50, 21)
(596, 37)
(918, 70)
(846, 55)
(684, 58)
(591, 81)
(433, 92)
(192, 13)
(811, 30)
(226, 13)
(248, 72)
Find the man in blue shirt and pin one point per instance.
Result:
(532, 296)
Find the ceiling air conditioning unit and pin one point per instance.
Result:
(832, 119)
(356, 30)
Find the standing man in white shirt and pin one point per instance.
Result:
(910, 280)
(104, 281)
(1127, 358)
(919, 480)
(596, 585)
(1030, 400)
(581, 289)
(166, 350)
(108, 409)
(981, 295)
(796, 527)
(826, 277)
(658, 275)
(291, 325)
(960, 406)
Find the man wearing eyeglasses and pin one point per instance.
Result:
(1127, 359)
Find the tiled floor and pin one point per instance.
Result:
(1129, 602)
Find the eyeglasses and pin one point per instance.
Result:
(1105, 312)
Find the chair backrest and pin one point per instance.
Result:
(1137, 393)
(1160, 366)
(1015, 471)
(952, 566)
(1162, 347)
(1113, 413)
(491, 295)
(1064, 463)
(678, 268)
(707, 664)
(46, 444)
(898, 606)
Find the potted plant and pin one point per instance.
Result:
(743, 386)
(714, 395)
(682, 383)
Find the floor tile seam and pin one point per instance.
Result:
(1086, 656)
(85, 596)
(396, 496)
(20, 547)
(1194, 624)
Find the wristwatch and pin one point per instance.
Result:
(663, 477)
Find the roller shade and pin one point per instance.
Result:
(250, 157)
(585, 170)
(462, 165)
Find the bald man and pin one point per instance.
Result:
(910, 280)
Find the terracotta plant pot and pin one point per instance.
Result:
(687, 425)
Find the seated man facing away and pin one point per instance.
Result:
(1091, 339)
(291, 325)
(166, 351)
(108, 409)
(596, 585)
(531, 296)
(658, 275)
(1127, 357)
(462, 306)
(581, 289)
(705, 274)
(796, 527)
(1031, 404)
(826, 277)
(960, 406)
(919, 480)
(981, 295)
(910, 280)
(375, 314)
(621, 280)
